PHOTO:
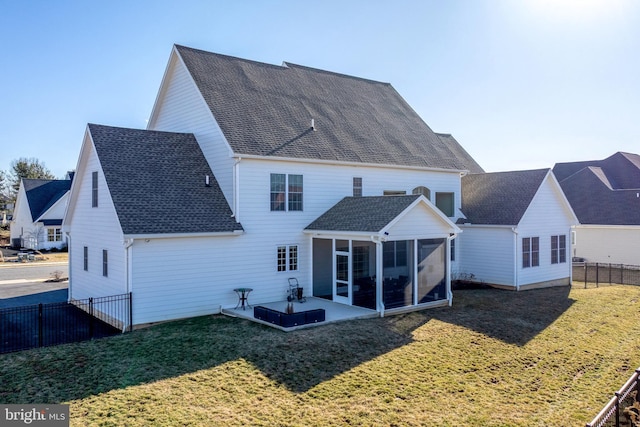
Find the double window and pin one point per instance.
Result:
(530, 252)
(394, 254)
(287, 258)
(54, 235)
(558, 249)
(286, 192)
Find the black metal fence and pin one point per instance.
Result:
(620, 410)
(603, 273)
(43, 325)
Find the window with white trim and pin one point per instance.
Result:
(357, 187)
(444, 202)
(286, 192)
(94, 189)
(54, 234)
(287, 258)
(558, 249)
(394, 254)
(530, 252)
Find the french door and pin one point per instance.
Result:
(342, 272)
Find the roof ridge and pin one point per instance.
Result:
(228, 57)
(334, 73)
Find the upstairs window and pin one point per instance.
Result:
(444, 202)
(286, 192)
(357, 187)
(393, 193)
(558, 249)
(85, 260)
(422, 190)
(530, 252)
(94, 189)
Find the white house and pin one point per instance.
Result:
(39, 210)
(251, 173)
(517, 230)
(244, 187)
(605, 194)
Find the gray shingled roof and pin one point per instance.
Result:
(157, 182)
(454, 145)
(266, 110)
(44, 193)
(362, 214)
(499, 198)
(603, 192)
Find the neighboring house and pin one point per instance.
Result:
(605, 195)
(517, 230)
(39, 210)
(250, 174)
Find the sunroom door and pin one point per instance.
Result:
(342, 273)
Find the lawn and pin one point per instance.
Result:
(548, 357)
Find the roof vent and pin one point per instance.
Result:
(313, 125)
(207, 181)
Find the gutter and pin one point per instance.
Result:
(183, 235)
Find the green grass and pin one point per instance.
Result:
(550, 357)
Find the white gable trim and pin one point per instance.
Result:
(432, 209)
(558, 190)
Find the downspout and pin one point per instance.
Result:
(127, 244)
(448, 261)
(515, 258)
(379, 278)
(236, 189)
(70, 267)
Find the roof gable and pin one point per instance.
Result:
(267, 110)
(42, 194)
(605, 191)
(375, 214)
(157, 182)
(499, 198)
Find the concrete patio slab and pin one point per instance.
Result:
(334, 312)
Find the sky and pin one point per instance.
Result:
(521, 84)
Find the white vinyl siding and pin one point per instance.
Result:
(88, 227)
(546, 216)
(487, 253)
(614, 244)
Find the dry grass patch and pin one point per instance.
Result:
(548, 357)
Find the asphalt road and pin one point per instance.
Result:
(32, 271)
(22, 284)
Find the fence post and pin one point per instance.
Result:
(130, 311)
(585, 275)
(609, 273)
(597, 275)
(40, 325)
(91, 317)
(617, 409)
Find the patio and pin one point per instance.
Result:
(334, 312)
